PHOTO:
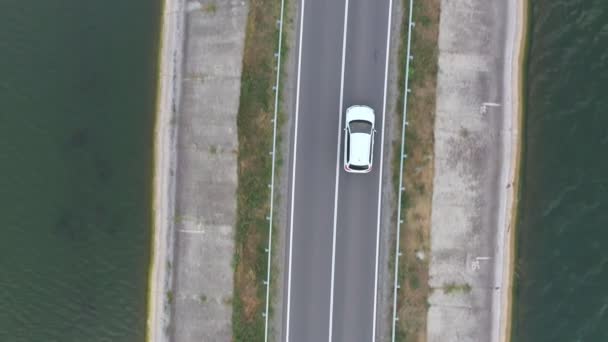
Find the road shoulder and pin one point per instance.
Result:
(388, 198)
(287, 100)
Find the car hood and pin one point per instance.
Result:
(360, 144)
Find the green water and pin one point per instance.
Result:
(562, 264)
(77, 87)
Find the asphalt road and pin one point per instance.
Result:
(334, 216)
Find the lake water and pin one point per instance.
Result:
(77, 88)
(562, 264)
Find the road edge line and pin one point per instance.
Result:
(386, 66)
(293, 176)
(341, 107)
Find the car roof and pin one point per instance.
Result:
(360, 145)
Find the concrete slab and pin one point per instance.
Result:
(469, 162)
(206, 172)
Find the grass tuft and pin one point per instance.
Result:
(210, 8)
(202, 298)
(451, 288)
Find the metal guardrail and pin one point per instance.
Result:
(409, 57)
(273, 153)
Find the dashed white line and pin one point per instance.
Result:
(333, 246)
(293, 175)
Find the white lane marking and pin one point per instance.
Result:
(293, 175)
(333, 243)
(388, 43)
(191, 231)
(484, 106)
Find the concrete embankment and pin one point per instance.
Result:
(503, 318)
(191, 276)
(165, 155)
(476, 149)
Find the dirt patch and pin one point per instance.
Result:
(247, 281)
(412, 303)
(254, 168)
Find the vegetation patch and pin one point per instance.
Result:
(255, 133)
(412, 301)
(202, 298)
(210, 8)
(456, 288)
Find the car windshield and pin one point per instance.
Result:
(360, 126)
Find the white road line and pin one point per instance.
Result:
(333, 246)
(388, 44)
(192, 231)
(293, 175)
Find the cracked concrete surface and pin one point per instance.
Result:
(471, 131)
(206, 172)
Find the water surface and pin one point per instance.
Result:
(77, 87)
(562, 264)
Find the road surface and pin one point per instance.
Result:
(333, 226)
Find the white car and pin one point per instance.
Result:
(359, 139)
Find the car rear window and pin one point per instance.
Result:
(360, 126)
(358, 167)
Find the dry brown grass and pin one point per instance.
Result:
(418, 172)
(254, 167)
